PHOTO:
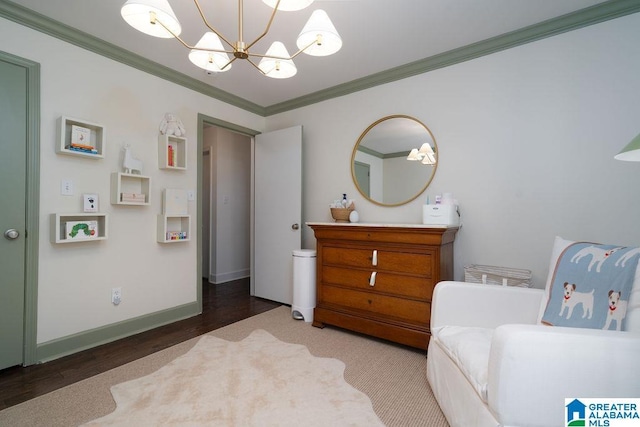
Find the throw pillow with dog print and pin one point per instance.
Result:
(591, 285)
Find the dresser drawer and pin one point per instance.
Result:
(408, 262)
(420, 263)
(385, 282)
(411, 311)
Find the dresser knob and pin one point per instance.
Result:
(372, 279)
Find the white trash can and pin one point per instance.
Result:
(304, 284)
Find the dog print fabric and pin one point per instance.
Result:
(591, 286)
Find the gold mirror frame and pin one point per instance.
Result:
(398, 152)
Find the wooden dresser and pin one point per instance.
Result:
(378, 279)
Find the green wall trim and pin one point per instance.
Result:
(592, 15)
(370, 152)
(572, 21)
(32, 212)
(397, 154)
(42, 23)
(203, 120)
(57, 348)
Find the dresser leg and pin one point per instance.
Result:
(318, 324)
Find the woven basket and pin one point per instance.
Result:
(342, 214)
(492, 275)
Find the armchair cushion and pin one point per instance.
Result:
(590, 285)
(469, 348)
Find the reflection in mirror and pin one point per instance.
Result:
(394, 160)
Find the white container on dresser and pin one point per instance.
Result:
(378, 279)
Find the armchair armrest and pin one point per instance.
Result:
(533, 368)
(486, 306)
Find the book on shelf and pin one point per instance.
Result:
(177, 235)
(172, 155)
(81, 136)
(81, 149)
(80, 230)
(133, 198)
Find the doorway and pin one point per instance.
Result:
(284, 228)
(226, 204)
(19, 219)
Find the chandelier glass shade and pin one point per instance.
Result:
(318, 37)
(425, 154)
(631, 152)
(271, 65)
(209, 54)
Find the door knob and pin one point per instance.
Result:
(11, 234)
(295, 227)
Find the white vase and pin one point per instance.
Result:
(354, 217)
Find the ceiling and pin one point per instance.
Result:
(378, 35)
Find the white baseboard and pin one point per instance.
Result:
(216, 279)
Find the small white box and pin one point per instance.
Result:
(440, 215)
(174, 202)
(81, 230)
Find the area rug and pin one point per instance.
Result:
(391, 375)
(259, 381)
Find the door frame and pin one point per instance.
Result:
(202, 120)
(32, 209)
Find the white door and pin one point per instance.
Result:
(277, 212)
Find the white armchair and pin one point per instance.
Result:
(491, 363)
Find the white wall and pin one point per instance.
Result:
(526, 140)
(404, 179)
(75, 280)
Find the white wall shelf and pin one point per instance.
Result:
(174, 228)
(172, 152)
(130, 189)
(83, 227)
(95, 135)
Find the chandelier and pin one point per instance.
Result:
(425, 154)
(317, 38)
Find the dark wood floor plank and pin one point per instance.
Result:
(221, 305)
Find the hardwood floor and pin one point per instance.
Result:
(221, 305)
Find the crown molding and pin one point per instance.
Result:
(46, 25)
(592, 15)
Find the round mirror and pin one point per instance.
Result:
(394, 160)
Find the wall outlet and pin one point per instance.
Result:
(116, 296)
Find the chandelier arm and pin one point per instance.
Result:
(260, 55)
(175, 36)
(228, 63)
(304, 48)
(264, 55)
(256, 67)
(266, 30)
(204, 49)
(209, 26)
(188, 46)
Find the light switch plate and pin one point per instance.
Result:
(191, 195)
(66, 187)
